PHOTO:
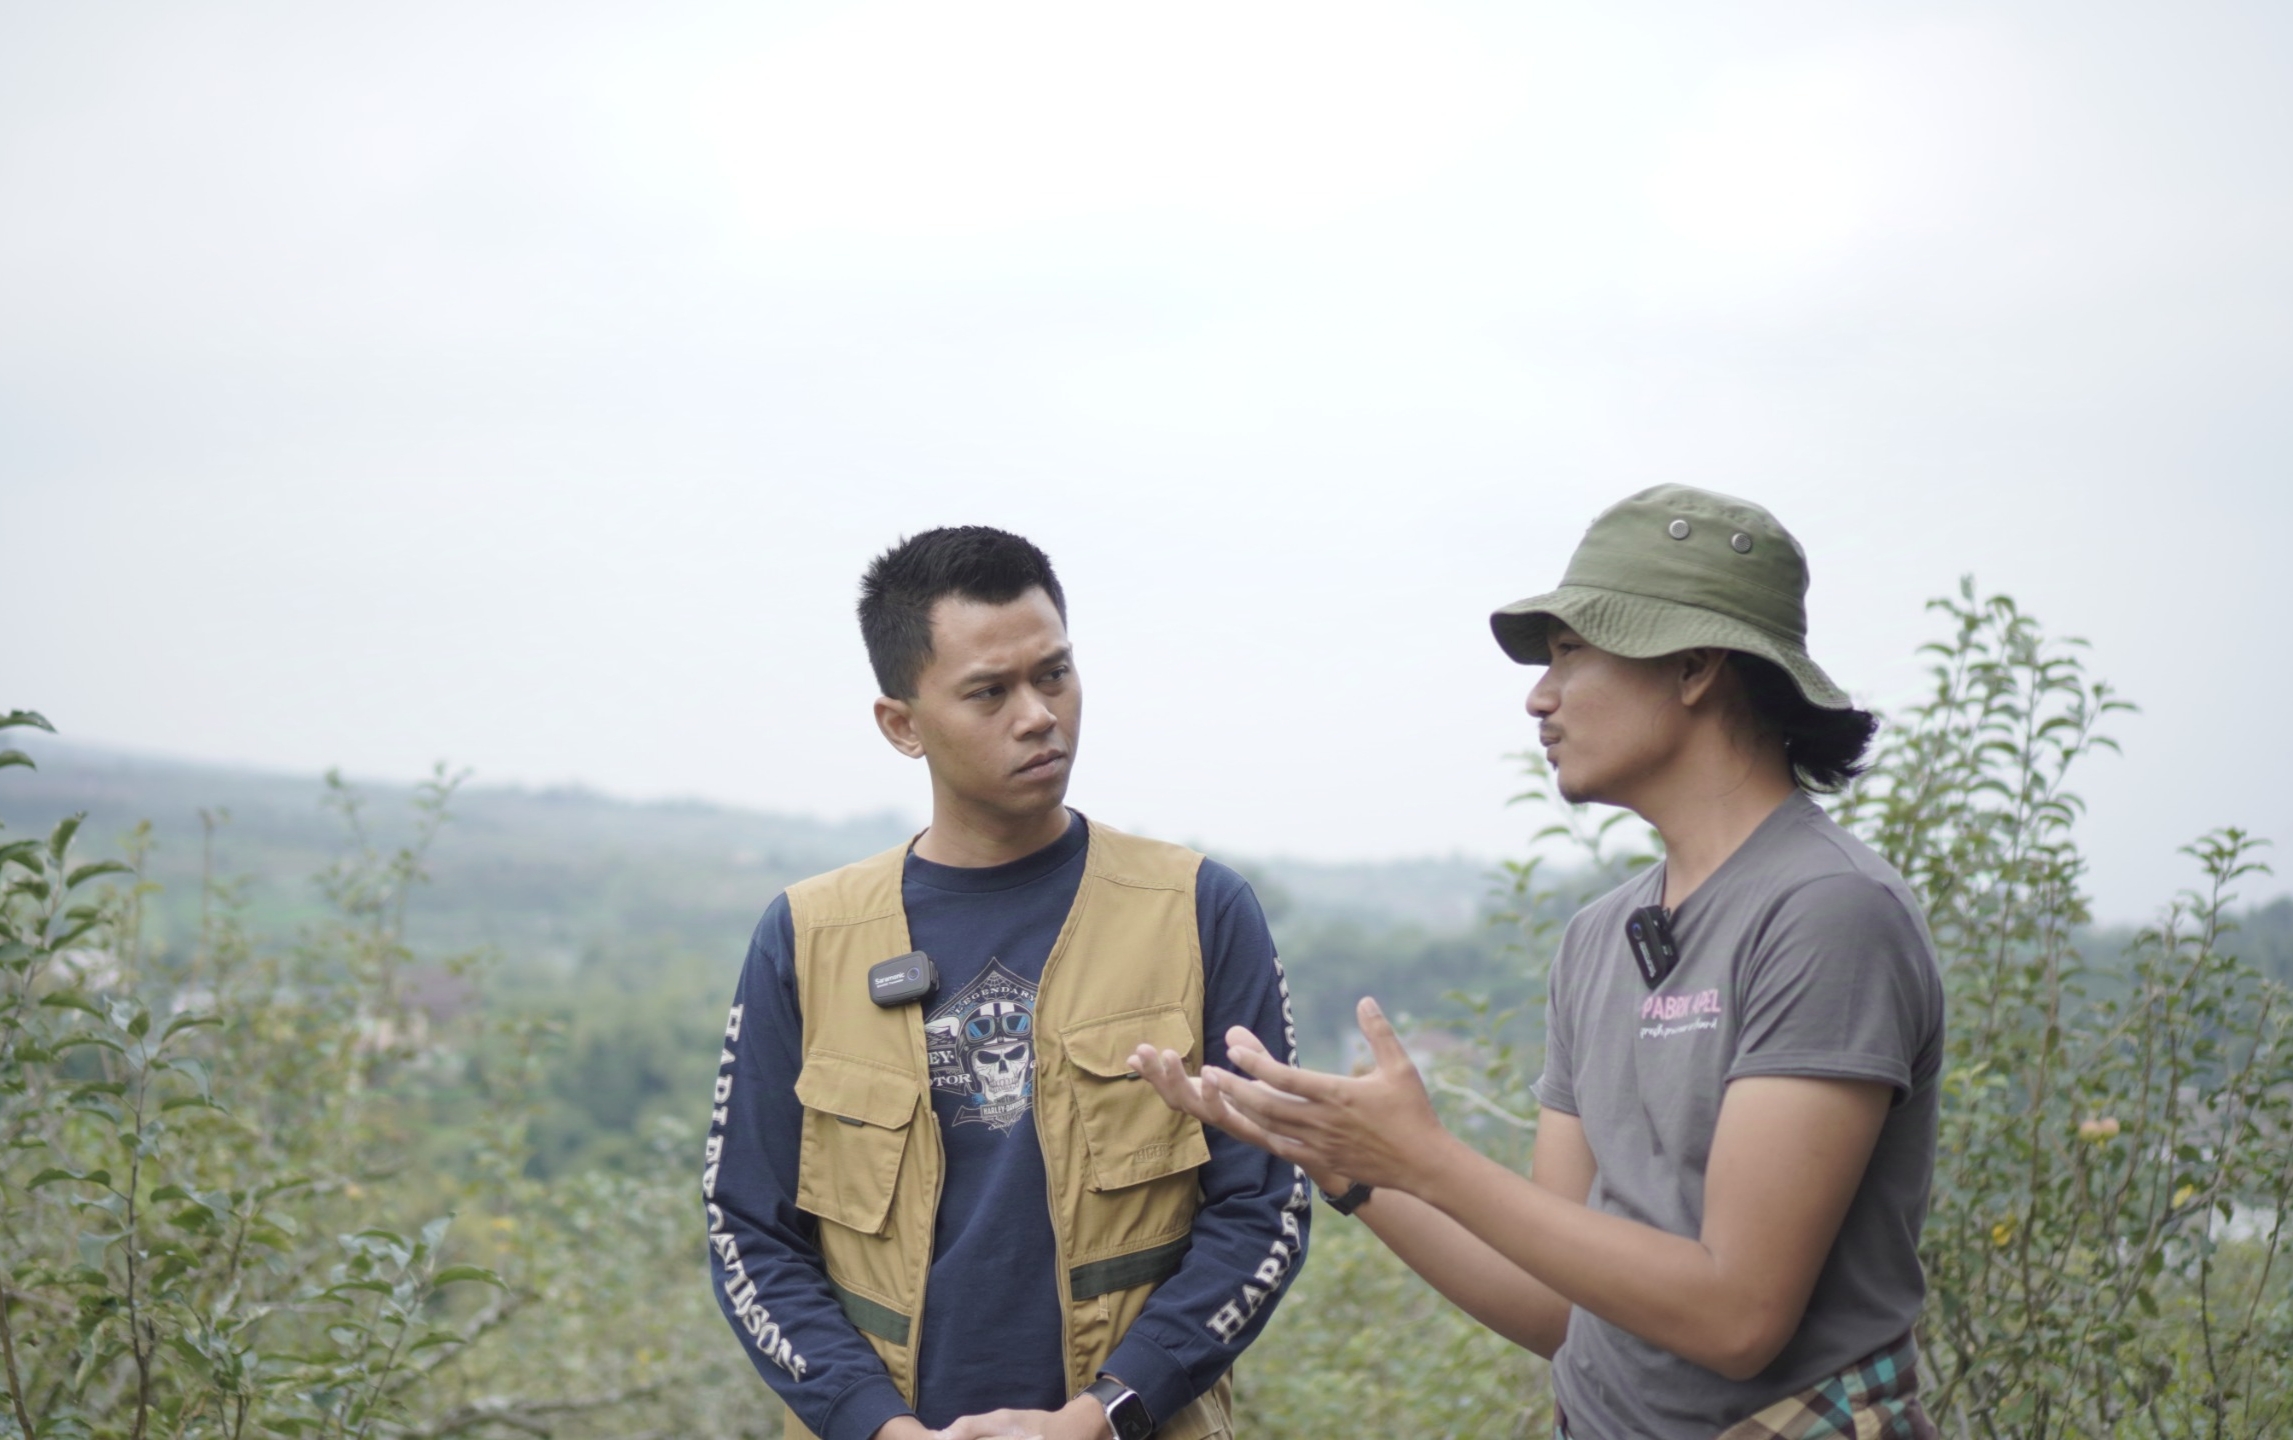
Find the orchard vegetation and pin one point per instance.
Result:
(252, 1184)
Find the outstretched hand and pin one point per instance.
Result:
(1165, 1070)
(1379, 1126)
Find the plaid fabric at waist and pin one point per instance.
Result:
(1876, 1398)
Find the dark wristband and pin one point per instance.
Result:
(1351, 1200)
(1126, 1412)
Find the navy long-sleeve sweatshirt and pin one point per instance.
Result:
(989, 1334)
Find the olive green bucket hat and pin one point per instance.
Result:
(1675, 568)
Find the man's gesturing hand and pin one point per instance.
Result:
(1379, 1127)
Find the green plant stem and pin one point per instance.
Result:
(8, 1352)
(137, 1346)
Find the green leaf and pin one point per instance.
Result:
(64, 940)
(92, 869)
(33, 718)
(95, 1105)
(192, 1355)
(456, 1274)
(17, 851)
(189, 1102)
(380, 1287)
(436, 1337)
(16, 757)
(71, 1000)
(189, 1069)
(186, 1022)
(92, 1177)
(60, 839)
(193, 1217)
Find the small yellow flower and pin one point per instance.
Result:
(2002, 1233)
(2181, 1196)
(2098, 1130)
(351, 1192)
(503, 1222)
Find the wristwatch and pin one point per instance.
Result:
(1349, 1202)
(1125, 1410)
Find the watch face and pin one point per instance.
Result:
(1129, 1415)
(1126, 1413)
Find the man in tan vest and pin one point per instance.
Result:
(939, 1203)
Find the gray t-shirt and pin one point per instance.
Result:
(1803, 954)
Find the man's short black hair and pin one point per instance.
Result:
(977, 562)
(1825, 747)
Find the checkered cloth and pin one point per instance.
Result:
(1876, 1398)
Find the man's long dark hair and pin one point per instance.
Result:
(902, 585)
(1825, 747)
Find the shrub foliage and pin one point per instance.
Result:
(254, 1191)
(2105, 1248)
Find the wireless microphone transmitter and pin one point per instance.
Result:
(1650, 931)
(902, 979)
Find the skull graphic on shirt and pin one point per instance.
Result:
(982, 1047)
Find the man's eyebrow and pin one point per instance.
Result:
(985, 675)
(989, 674)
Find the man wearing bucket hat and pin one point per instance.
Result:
(1719, 1235)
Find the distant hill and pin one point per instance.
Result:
(539, 873)
(536, 873)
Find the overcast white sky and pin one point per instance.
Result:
(527, 384)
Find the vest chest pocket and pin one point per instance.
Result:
(1131, 1135)
(857, 1115)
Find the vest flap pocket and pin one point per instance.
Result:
(856, 1089)
(856, 1121)
(1131, 1135)
(1103, 1047)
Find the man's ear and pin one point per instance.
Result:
(1700, 673)
(896, 718)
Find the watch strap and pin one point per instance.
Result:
(1351, 1200)
(1126, 1413)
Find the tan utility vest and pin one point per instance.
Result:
(1126, 969)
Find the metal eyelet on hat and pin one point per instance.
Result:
(1678, 529)
(1740, 543)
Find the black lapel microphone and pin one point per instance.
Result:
(903, 979)
(1649, 928)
